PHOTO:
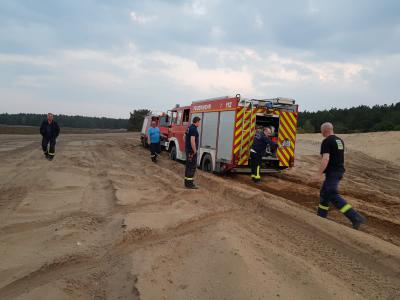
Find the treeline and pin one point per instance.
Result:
(352, 120)
(136, 118)
(64, 121)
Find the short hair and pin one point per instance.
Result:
(50, 114)
(196, 119)
(326, 126)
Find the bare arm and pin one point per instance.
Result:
(193, 144)
(324, 164)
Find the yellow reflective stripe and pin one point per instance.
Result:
(51, 153)
(243, 159)
(323, 207)
(240, 112)
(187, 178)
(238, 123)
(238, 140)
(345, 208)
(236, 149)
(237, 132)
(258, 171)
(282, 159)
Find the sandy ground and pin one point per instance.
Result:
(102, 221)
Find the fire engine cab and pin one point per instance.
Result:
(227, 129)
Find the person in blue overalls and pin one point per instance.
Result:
(49, 131)
(332, 165)
(154, 141)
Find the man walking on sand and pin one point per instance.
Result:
(332, 164)
(154, 141)
(49, 131)
(191, 146)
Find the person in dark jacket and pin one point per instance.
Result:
(261, 142)
(191, 148)
(49, 131)
(332, 165)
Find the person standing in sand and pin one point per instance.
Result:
(154, 141)
(332, 165)
(191, 147)
(49, 131)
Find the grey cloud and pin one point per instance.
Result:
(308, 36)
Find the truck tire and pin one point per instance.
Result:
(172, 154)
(206, 163)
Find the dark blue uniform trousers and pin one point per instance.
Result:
(51, 151)
(329, 194)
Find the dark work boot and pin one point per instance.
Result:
(190, 185)
(358, 219)
(355, 217)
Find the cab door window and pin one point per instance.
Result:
(186, 113)
(174, 116)
(179, 119)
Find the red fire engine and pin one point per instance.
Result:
(228, 126)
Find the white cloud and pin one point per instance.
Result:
(187, 72)
(258, 21)
(312, 8)
(32, 81)
(217, 32)
(27, 59)
(141, 18)
(195, 7)
(164, 77)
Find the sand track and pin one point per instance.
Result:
(103, 222)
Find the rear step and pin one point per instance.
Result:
(248, 170)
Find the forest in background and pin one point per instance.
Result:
(24, 119)
(349, 120)
(352, 120)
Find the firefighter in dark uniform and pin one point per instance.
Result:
(332, 164)
(260, 144)
(49, 131)
(191, 147)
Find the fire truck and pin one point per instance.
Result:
(227, 129)
(161, 120)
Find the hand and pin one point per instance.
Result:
(318, 177)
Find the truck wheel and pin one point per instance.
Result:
(172, 154)
(206, 163)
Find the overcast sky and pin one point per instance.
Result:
(106, 58)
